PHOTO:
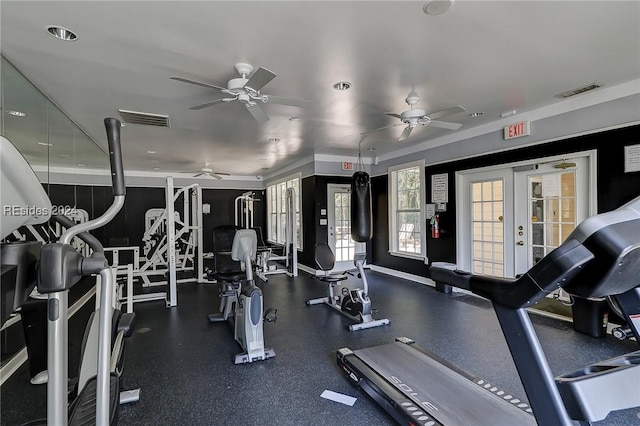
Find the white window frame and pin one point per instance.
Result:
(393, 210)
(273, 186)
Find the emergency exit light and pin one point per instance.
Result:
(517, 130)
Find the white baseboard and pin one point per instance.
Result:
(404, 275)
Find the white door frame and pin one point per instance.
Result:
(332, 189)
(463, 216)
(463, 220)
(584, 208)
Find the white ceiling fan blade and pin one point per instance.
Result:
(301, 103)
(222, 173)
(444, 125)
(405, 134)
(199, 83)
(381, 128)
(206, 104)
(198, 174)
(445, 112)
(258, 113)
(259, 79)
(215, 176)
(393, 114)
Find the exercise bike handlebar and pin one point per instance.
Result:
(112, 126)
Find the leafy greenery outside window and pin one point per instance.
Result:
(406, 210)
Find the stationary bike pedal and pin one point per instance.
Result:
(270, 315)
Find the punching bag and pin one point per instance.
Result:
(361, 212)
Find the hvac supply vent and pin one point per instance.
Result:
(579, 90)
(145, 118)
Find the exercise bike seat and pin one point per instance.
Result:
(230, 276)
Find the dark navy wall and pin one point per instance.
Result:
(614, 189)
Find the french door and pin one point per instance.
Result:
(339, 226)
(512, 216)
(550, 202)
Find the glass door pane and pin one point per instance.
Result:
(487, 222)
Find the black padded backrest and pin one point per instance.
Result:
(259, 235)
(222, 243)
(325, 259)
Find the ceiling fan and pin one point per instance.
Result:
(246, 89)
(415, 116)
(207, 172)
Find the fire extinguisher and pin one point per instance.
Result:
(435, 228)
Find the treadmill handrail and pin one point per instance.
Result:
(552, 272)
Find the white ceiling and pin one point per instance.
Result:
(489, 57)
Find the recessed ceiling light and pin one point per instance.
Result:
(437, 7)
(62, 33)
(476, 114)
(373, 148)
(81, 164)
(342, 85)
(295, 119)
(45, 144)
(274, 140)
(152, 152)
(16, 113)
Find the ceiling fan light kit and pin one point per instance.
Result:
(416, 116)
(246, 89)
(208, 172)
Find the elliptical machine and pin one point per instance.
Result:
(60, 268)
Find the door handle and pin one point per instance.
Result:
(520, 243)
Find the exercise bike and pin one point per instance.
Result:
(242, 302)
(355, 303)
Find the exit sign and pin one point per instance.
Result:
(517, 130)
(347, 165)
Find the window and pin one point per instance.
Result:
(406, 210)
(277, 210)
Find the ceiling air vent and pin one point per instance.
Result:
(145, 118)
(579, 90)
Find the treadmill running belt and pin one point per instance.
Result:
(446, 395)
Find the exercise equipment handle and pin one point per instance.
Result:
(112, 126)
(89, 239)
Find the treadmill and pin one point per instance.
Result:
(601, 257)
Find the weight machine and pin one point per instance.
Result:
(267, 261)
(173, 245)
